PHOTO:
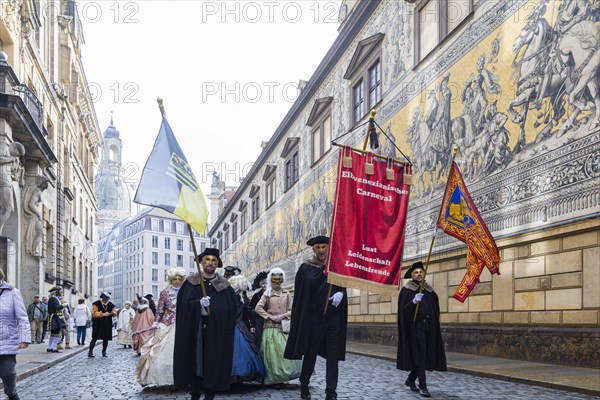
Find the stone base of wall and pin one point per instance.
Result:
(556, 345)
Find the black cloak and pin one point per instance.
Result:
(257, 321)
(102, 327)
(310, 295)
(407, 345)
(209, 358)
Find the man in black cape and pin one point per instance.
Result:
(420, 344)
(203, 354)
(317, 329)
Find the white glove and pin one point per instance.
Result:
(336, 299)
(155, 325)
(160, 325)
(417, 298)
(205, 301)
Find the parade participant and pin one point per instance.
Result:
(319, 319)
(65, 333)
(230, 271)
(56, 319)
(248, 364)
(151, 304)
(155, 367)
(37, 314)
(257, 322)
(14, 335)
(102, 313)
(124, 326)
(82, 318)
(141, 326)
(204, 330)
(275, 306)
(420, 345)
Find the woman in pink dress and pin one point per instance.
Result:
(155, 367)
(141, 327)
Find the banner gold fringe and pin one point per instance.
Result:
(361, 284)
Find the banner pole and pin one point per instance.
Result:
(198, 265)
(422, 286)
(371, 119)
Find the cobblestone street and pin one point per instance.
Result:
(113, 378)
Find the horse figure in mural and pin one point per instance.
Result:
(536, 79)
(579, 52)
(425, 160)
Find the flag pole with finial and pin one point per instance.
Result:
(422, 286)
(161, 107)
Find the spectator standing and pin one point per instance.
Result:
(82, 318)
(14, 335)
(37, 314)
(45, 324)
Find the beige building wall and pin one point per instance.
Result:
(51, 113)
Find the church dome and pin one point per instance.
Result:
(111, 131)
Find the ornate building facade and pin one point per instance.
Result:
(514, 84)
(49, 139)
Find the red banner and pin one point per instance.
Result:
(369, 219)
(460, 218)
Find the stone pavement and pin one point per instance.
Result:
(368, 373)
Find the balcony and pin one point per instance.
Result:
(24, 112)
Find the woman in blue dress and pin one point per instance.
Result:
(248, 365)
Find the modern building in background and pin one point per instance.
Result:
(134, 255)
(512, 84)
(49, 139)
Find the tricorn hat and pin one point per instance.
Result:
(230, 270)
(261, 276)
(209, 251)
(148, 295)
(105, 295)
(409, 271)
(318, 240)
(55, 289)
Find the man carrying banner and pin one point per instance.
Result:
(319, 318)
(203, 354)
(420, 345)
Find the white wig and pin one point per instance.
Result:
(274, 271)
(176, 271)
(239, 283)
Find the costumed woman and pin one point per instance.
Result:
(56, 319)
(155, 367)
(260, 283)
(124, 325)
(141, 327)
(247, 362)
(275, 306)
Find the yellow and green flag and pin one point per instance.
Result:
(169, 183)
